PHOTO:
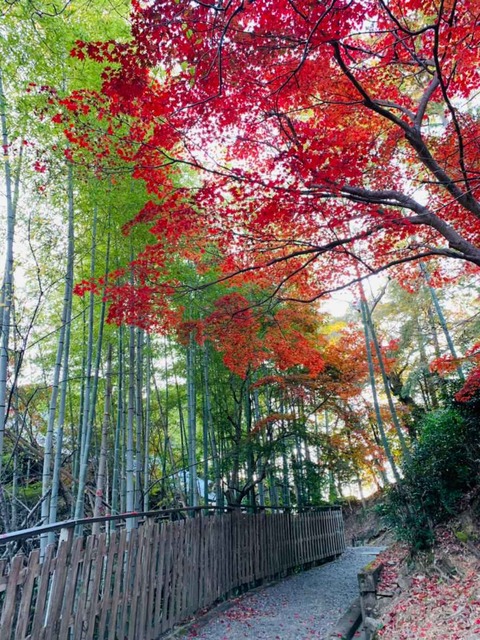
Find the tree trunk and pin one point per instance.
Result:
(119, 429)
(7, 292)
(391, 405)
(249, 444)
(371, 371)
(66, 360)
(102, 459)
(206, 424)
(443, 322)
(192, 425)
(130, 452)
(261, 465)
(85, 439)
(146, 452)
(139, 420)
(332, 489)
(429, 383)
(62, 339)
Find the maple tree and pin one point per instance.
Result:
(328, 141)
(289, 336)
(279, 151)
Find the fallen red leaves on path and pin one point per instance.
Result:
(438, 599)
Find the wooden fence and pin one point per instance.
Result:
(137, 586)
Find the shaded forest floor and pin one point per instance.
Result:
(436, 596)
(363, 524)
(432, 595)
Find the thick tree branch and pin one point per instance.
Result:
(465, 199)
(368, 101)
(460, 245)
(316, 250)
(422, 105)
(446, 97)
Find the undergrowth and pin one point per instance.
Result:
(444, 467)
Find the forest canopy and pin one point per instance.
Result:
(186, 184)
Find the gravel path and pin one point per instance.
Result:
(302, 607)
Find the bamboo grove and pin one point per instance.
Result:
(173, 258)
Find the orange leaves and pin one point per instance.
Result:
(293, 337)
(291, 349)
(249, 127)
(235, 332)
(287, 103)
(142, 306)
(269, 380)
(346, 363)
(444, 365)
(471, 388)
(271, 419)
(86, 286)
(190, 329)
(289, 340)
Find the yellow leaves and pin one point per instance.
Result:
(334, 329)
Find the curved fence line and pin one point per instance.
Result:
(34, 532)
(139, 584)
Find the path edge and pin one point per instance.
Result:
(222, 606)
(348, 624)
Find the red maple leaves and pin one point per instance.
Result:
(292, 147)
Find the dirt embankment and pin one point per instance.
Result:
(432, 595)
(363, 525)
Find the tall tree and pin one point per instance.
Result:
(7, 288)
(305, 175)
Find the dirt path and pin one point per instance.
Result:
(302, 607)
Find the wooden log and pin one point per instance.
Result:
(169, 571)
(129, 575)
(57, 592)
(195, 567)
(84, 579)
(160, 580)
(71, 587)
(94, 591)
(152, 569)
(217, 559)
(180, 570)
(188, 570)
(177, 546)
(234, 543)
(201, 562)
(3, 575)
(138, 576)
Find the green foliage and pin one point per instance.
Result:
(442, 468)
(32, 492)
(462, 536)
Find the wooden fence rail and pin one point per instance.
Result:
(137, 586)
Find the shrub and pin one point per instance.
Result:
(443, 466)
